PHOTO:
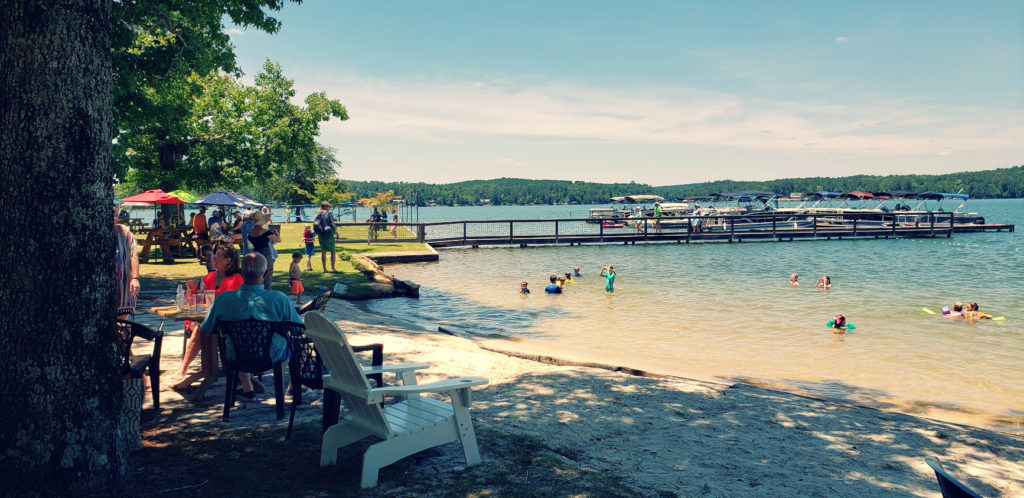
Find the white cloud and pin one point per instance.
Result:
(234, 31)
(842, 39)
(449, 112)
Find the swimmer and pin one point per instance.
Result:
(838, 322)
(608, 273)
(568, 276)
(561, 281)
(576, 271)
(553, 287)
(823, 283)
(792, 280)
(973, 313)
(958, 310)
(523, 289)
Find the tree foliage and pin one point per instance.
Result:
(242, 138)
(997, 183)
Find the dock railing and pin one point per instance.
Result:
(728, 227)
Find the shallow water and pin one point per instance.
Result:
(727, 311)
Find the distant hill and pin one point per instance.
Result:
(996, 183)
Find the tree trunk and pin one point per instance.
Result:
(59, 368)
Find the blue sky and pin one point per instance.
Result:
(657, 92)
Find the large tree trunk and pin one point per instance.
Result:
(58, 366)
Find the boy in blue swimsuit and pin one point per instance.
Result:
(553, 288)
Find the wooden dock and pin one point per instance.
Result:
(523, 233)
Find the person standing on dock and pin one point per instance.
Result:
(608, 273)
(657, 218)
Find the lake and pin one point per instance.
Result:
(727, 311)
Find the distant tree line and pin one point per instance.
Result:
(997, 183)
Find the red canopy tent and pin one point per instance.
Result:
(155, 196)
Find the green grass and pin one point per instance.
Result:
(157, 275)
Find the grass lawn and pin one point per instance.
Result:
(157, 275)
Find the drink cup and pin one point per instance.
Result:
(209, 297)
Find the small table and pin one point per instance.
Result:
(207, 352)
(169, 240)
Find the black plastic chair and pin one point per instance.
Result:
(949, 486)
(251, 341)
(134, 366)
(305, 368)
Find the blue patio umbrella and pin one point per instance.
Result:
(226, 198)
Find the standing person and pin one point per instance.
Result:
(323, 225)
(295, 277)
(261, 236)
(244, 231)
(126, 269)
(307, 239)
(608, 273)
(657, 217)
(394, 226)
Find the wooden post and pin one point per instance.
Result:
(774, 235)
(931, 219)
(814, 225)
(464, 233)
(855, 227)
(689, 229)
(510, 237)
(601, 231)
(894, 225)
(732, 227)
(556, 231)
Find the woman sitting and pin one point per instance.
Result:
(226, 276)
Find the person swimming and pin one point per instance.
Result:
(523, 289)
(823, 283)
(576, 271)
(553, 287)
(568, 276)
(793, 280)
(973, 313)
(838, 322)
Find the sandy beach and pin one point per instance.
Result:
(669, 434)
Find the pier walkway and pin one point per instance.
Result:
(476, 233)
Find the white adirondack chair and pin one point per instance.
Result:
(407, 427)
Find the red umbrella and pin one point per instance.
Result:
(155, 196)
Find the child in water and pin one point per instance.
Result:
(576, 271)
(608, 273)
(295, 276)
(523, 289)
(823, 283)
(792, 280)
(553, 287)
(838, 322)
(568, 276)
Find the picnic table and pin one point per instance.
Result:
(207, 350)
(171, 242)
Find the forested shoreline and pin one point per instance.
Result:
(996, 183)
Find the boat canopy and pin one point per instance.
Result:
(938, 196)
(823, 195)
(746, 195)
(857, 194)
(633, 199)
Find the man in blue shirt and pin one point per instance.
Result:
(251, 301)
(554, 288)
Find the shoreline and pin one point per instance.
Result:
(663, 433)
(700, 437)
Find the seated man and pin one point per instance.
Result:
(251, 301)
